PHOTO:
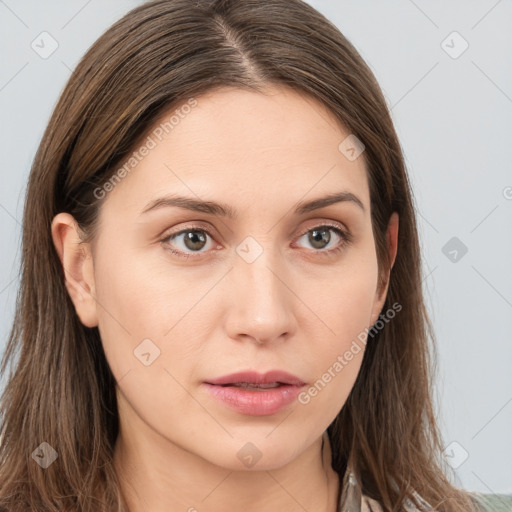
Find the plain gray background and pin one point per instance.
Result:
(452, 107)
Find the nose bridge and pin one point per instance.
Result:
(262, 304)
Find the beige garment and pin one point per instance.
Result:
(369, 505)
(352, 499)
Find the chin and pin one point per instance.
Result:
(259, 454)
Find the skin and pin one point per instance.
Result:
(212, 313)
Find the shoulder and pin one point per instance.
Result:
(486, 502)
(370, 505)
(493, 502)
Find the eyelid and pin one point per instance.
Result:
(325, 223)
(190, 226)
(200, 225)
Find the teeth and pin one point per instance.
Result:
(245, 385)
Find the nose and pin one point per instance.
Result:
(261, 305)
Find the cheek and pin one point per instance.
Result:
(345, 308)
(342, 299)
(144, 307)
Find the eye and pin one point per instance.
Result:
(195, 238)
(320, 237)
(192, 239)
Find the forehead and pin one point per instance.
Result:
(257, 148)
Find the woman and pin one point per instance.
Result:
(220, 302)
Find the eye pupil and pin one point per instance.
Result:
(191, 239)
(320, 236)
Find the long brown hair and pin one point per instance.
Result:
(158, 56)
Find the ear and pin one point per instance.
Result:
(76, 259)
(392, 243)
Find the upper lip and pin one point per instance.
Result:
(253, 377)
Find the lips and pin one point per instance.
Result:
(253, 379)
(255, 394)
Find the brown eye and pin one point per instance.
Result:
(187, 241)
(194, 240)
(321, 236)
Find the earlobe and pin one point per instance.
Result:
(76, 260)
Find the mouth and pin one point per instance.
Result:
(249, 386)
(254, 394)
(253, 379)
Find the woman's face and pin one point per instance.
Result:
(184, 295)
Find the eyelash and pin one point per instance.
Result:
(346, 239)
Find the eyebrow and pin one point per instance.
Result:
(224, 210)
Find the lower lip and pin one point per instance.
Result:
(254, 402)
